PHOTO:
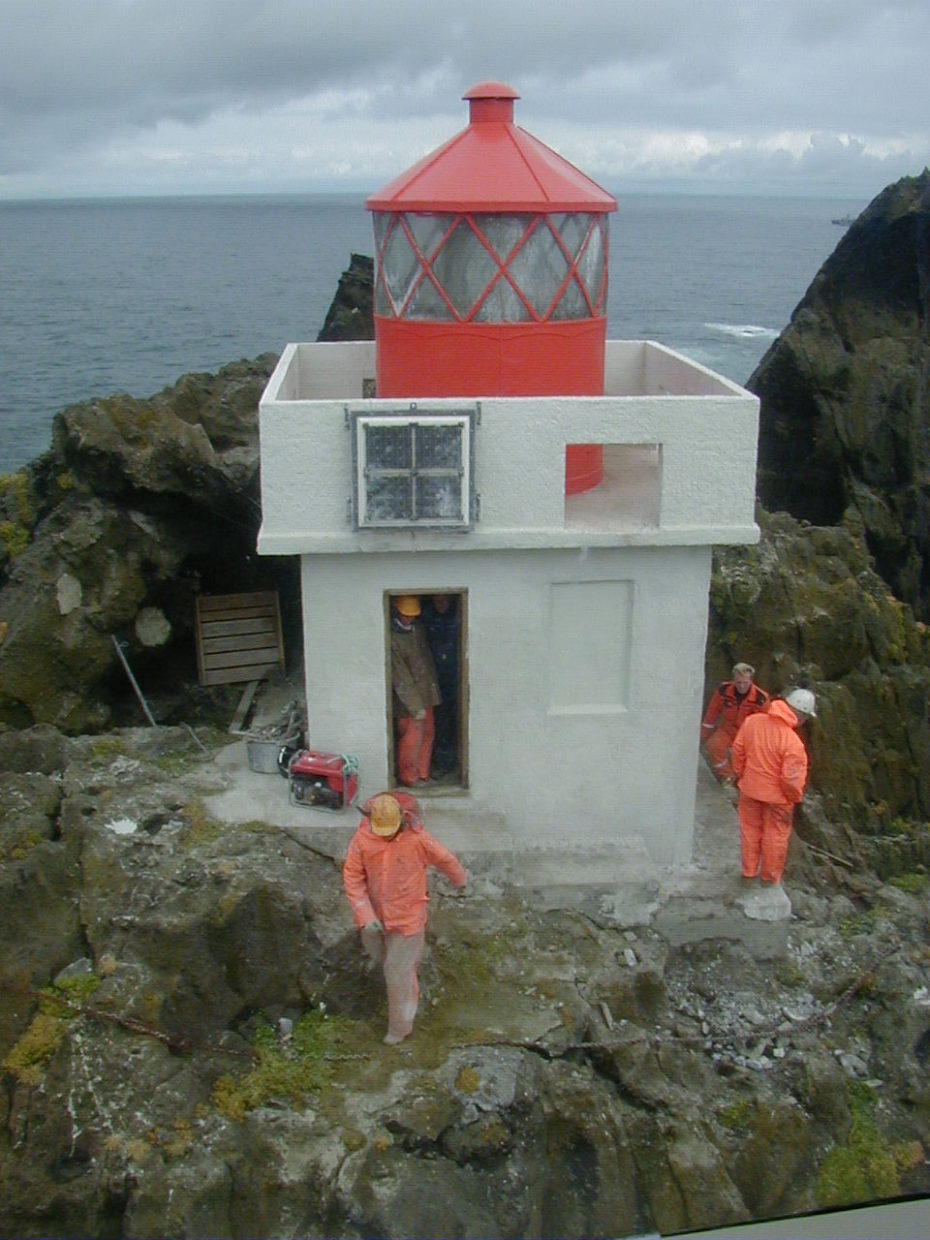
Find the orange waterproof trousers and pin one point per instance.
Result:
(764, 832)
(717, 748)
(415, 747)
(399, 955)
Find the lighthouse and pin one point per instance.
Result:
(491, 259)
(560, 492)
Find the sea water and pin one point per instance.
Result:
(127, 295)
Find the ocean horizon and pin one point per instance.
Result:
(105, 295)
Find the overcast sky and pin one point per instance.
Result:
(111, 97)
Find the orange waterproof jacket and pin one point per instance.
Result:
(387, 878)
(727, 709)
(769, 757)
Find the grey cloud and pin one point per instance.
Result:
(76, 76)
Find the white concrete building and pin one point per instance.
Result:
(583, 617)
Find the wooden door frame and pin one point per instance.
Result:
(460, 593)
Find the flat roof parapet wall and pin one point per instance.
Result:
(632, 368)
(680, 457)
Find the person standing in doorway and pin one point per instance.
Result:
(731, 702)
(415, 692)
(385, 881)
(441, 622)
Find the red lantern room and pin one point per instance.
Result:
(491, 272)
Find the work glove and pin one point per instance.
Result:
(373, 927)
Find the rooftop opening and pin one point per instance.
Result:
(629, 494)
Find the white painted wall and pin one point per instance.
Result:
(707, 440)
(585, 672)
(586, 617)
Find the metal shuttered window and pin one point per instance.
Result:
(413, 468)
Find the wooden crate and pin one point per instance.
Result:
(238, 637)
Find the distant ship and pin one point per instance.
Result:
(844, 221)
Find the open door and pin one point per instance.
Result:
(426, 653)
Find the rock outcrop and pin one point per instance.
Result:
(190, 1038)
(138, 506)
(808, 607)
(845, 392)
(350, 315)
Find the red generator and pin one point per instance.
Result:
(322, 780)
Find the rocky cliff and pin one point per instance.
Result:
(191, 1042)
(137, 507)
(845, 392)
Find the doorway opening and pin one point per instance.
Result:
(426, 658)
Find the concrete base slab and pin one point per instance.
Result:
(615, 880)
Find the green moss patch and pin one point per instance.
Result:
(289, 1072)
(865, 1167)
(48, 1029)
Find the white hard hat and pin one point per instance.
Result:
(803, 701)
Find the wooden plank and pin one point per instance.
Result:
(238, 637)
(220, 602)
(240, 626)
(242, 658)
(236, 675)
(237, 613)
(248, 641)
(249, 599)
(245, 703)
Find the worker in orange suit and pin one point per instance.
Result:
(384, 876)
(731, 702)
(415, 691)
(770, 762)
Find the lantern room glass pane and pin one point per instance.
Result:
(592, 265)
(539, 269)
(427, 230)
(399, 267)
(572, 229)
(572, 304)
(427, 303)
(502, 305)
(381, 222)
(464, 268)
(503, 232)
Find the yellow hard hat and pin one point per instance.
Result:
(408, 605)
(385, 815)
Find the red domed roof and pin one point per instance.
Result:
(492, 165)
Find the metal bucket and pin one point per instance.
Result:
(263, 754)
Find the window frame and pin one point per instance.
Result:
(462, 419)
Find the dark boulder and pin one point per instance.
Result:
(845, 392)
(350, 316)
(138, 506)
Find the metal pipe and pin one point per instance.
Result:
(132, 679)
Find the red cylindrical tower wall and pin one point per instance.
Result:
(455, 359)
